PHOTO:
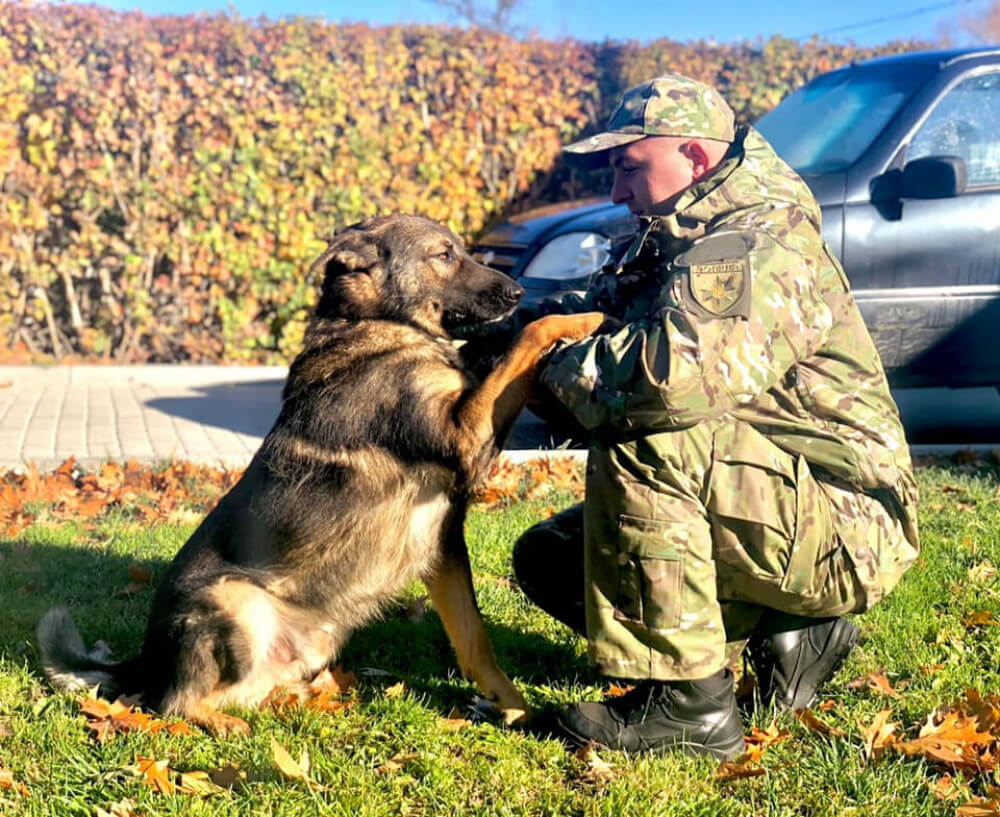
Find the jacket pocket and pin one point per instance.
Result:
(650, 571)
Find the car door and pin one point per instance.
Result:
(930, 290)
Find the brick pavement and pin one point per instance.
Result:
(149, 413)
(209, 414)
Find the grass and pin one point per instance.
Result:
(916, 637)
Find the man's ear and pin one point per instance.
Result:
(698, 156)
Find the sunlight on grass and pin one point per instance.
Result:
(395, 754)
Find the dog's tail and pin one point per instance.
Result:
(70, 666)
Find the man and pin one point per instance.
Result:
(748, 476)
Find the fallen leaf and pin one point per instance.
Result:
(597, 770)
(107, 719)
(395, 691)
(979, 618)
(945, 788)
(814, 724)
(228, 777)
(123, 808)
(979, 807)
(155, 774)
(982, 573)
(763, 738)
(827, 705)
(615, 691)
(739, 769)
(7, 781)
(139, 574)
(396, 763)
(878, 682)
(878, 735)
(287, 765)
(198, 783)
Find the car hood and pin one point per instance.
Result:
(534, 226)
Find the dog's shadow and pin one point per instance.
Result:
(100, 588)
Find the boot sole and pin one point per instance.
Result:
(732, 749)
(823, 670)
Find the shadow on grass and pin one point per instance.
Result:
(91, 582)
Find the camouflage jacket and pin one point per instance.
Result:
(734, 305)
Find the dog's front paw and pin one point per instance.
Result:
(482, 709)
(546, 331)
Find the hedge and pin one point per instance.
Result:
(165, 182)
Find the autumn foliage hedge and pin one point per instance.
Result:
(166, 181)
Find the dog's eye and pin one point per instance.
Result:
(447, 255)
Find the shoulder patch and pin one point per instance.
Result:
(717, 275)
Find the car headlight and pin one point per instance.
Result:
(570, 256)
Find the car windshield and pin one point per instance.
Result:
(826, 125)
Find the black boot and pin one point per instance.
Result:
(697, 716)
(793, 656)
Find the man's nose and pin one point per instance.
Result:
(619, 191)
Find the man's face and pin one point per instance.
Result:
(651, 174)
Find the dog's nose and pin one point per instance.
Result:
(513, 291)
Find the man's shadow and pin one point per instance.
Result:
(246, 408)
(98, 588)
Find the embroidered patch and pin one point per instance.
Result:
(718, 287)
(717, 276)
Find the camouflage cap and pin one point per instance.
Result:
(671, 105)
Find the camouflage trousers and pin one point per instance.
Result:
(686, 537)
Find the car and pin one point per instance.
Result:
(903, 155)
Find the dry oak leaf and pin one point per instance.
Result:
(814, 724)
(396, 763)
(982, 806)
(878, 735)
(880, 683)
(953, 740)
(982, 573)
(945, 788)
(123, 808)
(455, 721)
(288, 766)
(615, 691)
(396, 690)
(875, 681)
(155, 774)
(743, 767)
(598, 770)
(106, 719)
(979, 618)
(762, 738)
(7, 781)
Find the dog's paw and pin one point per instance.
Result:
(481, 710)
(570, 327)
(221, 725)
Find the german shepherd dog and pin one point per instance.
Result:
(359, 488)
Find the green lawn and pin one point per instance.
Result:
(916, 637)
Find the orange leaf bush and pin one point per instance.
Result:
(167, 180)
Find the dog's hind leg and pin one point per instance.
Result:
(454, 598)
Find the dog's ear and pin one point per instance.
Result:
(351, 251)
(348, 290)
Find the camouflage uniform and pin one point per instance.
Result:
(745, 449)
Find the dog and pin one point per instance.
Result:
(359, 488)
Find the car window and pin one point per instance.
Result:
(826, 125)
(965, 123)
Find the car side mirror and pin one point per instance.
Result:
(933, 177)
